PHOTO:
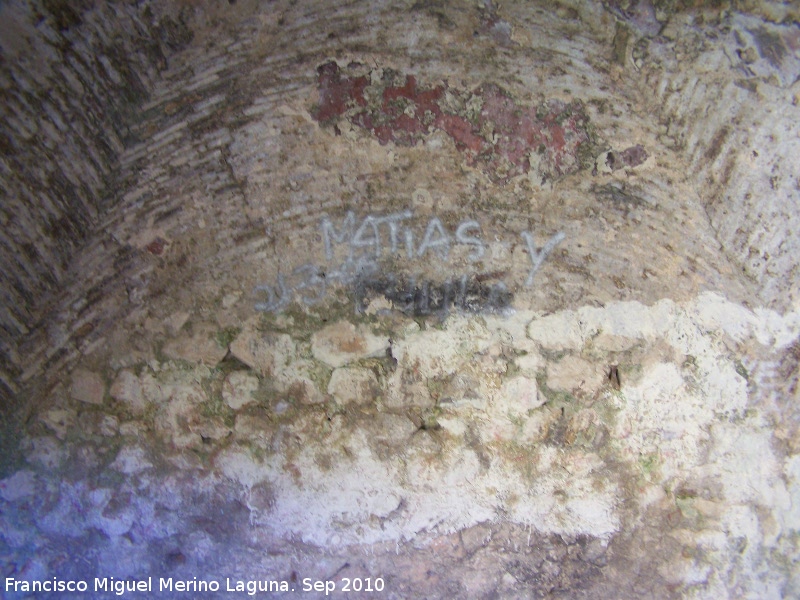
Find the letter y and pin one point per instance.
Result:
(537, 257)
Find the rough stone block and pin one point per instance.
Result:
(202, 347)
(258, 428)
(87, 387)
(391, 429)
(518, 395)
(59, 421)
(127, 388)
(353, 385)
(529, 364)
(559, 331)
(263, 352)
(131, 459)
(575, 373)
(19, 485)
(434, 354)
(343, 343)
(238, 388)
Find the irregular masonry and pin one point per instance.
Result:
(560, 455)
(595, 424)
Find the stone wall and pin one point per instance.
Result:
(481, 300)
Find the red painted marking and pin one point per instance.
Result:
(406, 113)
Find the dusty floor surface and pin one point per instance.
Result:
(437, 300)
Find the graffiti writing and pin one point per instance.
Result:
(354, 249)
(377, 235)
(465, 293)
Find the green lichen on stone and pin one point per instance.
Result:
(741, 370)
(686, 506)
(320, 374)
(648, 463)
(225, 337)
(216, 407)
(436, 386)
(521, 457)
(430, 419)
(553, 355)
(554, 397)
(588, 151)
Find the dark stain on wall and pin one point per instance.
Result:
(426, 297)
(72, 75)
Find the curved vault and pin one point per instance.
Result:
(486, 301)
